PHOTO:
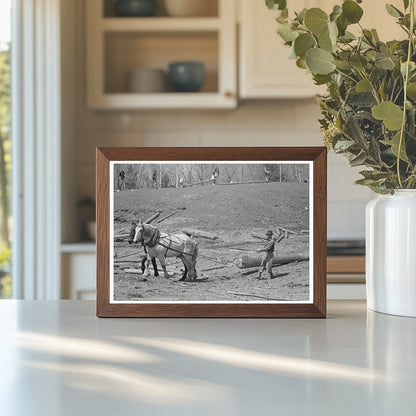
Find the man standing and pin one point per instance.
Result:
(267, 174)
(268, 250)
(215, 174)
(121, 180)
(154, 179)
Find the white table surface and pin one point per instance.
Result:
(57, 358)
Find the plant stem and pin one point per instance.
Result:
(373, 88)
(346, 75)
(406, 80)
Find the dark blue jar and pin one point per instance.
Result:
(186, 76)
(135, 8)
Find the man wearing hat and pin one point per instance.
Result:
(268, 250)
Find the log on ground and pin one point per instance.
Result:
(285, 230)
(199, 233)
(259, 236)
(152, 218)
(121, 236)
(170, 214)
(245, 262)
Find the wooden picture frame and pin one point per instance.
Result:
(314, 157)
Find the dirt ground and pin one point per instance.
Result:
(232, 212)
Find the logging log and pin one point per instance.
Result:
(259, 236)
(213, 268)
(199, 233)
(213, 259)
(242, 183)
(304, 231)
(170, 214)
(127, 255)
(245, 262)
(198, 183)
(286, 231)
(132, 271)
(121, 236)
(252, 295)
(152, 218)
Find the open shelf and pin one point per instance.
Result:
(87, 247)
(160, 24)
(167, 100)
(210, 6)
(119, 45)
(126, 51)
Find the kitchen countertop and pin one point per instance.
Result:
(57, 358)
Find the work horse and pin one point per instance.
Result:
(160, 245)
(144, 258)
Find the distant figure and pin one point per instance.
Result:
(154, 179)
(215, 174)
(267, 174)
(121, 180)
(181, 182)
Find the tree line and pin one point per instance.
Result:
(136, 176)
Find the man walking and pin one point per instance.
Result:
(268, 250)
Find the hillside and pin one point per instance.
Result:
(220, 207)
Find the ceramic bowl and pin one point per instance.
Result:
(147, 80)
(186, 76)
(92, 230)
(135, 8)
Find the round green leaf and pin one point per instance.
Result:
(301, 63)
(391, 114)
(287, 33)
(351, 11)
(358, 61)
(303, 43)
(333, 32)
(324, 41)
(319, 61)
(393, 11)
(276, 4)
(384, 62)
(336, 12)
(301, 15)
(394, 143)
(411, 90)
(316, 20)
(328, 38)
(363, 86)
(344, 65)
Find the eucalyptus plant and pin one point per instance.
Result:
(369, 111)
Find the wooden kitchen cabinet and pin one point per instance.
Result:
(265, 69)
(78, 263)
(117, 45)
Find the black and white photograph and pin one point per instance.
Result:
(235, 232)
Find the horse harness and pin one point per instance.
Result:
(155, 239)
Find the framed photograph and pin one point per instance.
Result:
(211, 232)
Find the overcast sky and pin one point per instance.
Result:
(4, 21)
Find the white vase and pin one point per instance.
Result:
(391, 253)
